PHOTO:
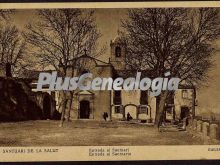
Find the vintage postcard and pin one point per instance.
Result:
(109, 81)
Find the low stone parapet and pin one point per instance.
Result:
(214, 131)
(205, 129)
(199, 126)
(194, 124)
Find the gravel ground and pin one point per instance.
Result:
(89, 132)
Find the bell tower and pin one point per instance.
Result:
(118, 53)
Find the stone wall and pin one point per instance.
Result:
(18, 102)
(209, 131)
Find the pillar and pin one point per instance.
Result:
(205, 129)
(213, 131)
(199, 126)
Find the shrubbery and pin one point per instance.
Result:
(16, 103)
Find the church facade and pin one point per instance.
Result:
(86, 104)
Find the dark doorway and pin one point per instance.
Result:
(8, 70)
(118, 51)
(184, 112)
(84, 109)
(46, 107)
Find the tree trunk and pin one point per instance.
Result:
(70, 106)
(63, 108)
(161, 108)
(193, 103)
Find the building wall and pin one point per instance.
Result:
(102, 103)
(152, 104)
(113, 111)
(102, 99)
(183, 101)
(117, 62)
(99, 101)
(130, 100)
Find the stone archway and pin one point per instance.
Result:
(46, 107)
(84, 109)
(132, 109)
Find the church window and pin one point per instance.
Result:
(144, 98)
(118, 51)
(184, 94)
(117, 109)
(86, 79)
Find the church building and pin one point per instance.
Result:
(88, 104)
(92, 104)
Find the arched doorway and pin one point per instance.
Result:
(46, 107)
(84, 109)
(132, 110)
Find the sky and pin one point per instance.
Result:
(108, 22)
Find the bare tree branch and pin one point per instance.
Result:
(179, 40)
(12, 47)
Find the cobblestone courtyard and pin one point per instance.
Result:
(88, 132)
